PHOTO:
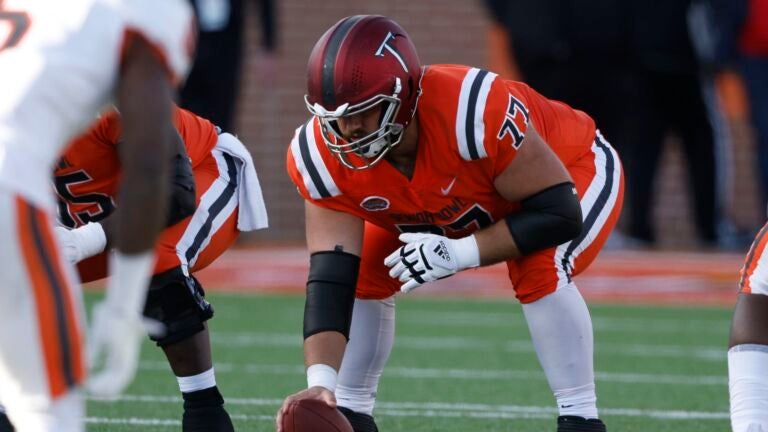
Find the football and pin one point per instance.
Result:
(312, 415)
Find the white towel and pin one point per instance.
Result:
(252, 213)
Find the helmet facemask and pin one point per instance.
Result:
(367, 151)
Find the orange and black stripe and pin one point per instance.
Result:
(753, 257)
(59, 332)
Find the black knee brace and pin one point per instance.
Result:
(178, 301)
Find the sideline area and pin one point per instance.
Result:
(617, 276)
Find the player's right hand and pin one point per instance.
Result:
(428, 257)
(320, 393)
(68, 244)
(116, 335)
(81, 243)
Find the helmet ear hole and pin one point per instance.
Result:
(410, 87)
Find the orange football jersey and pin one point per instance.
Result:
(471, 124)
(87, 175)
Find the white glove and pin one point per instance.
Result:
(118, 335)
(429, 257)
(81, 243)
(119, 326)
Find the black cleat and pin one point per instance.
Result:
(5, 424)
(579, 424)
(360, 422)
(204, 412)
(208, 419)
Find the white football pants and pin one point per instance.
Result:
(370, 342)
(41, 322)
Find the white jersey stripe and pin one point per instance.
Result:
(482, 97)
(317, 179)
(470, 128)
(461, 113)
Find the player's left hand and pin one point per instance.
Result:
(81, 243)
(316, 392)
(429, 257)
(116, 334)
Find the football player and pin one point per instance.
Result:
(748, 344)
(215, 194)
(60, 62)
(411, 174)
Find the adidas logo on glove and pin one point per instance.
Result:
(442, 251)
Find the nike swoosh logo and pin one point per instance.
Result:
(447, 190)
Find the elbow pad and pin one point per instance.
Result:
(330, 292)
(182, 201)
(547, 219)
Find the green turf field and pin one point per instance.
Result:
(457, 366)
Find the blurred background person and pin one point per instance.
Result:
(264, 118)
(213, 86)
(634, 68)
(743, 57)
(575, 51)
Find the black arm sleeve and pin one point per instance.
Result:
(330, 292)
(547, 219)
(182, 199)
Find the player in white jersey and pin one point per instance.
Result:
(748, 344)
(60, 62)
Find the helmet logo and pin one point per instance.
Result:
(385, 46)
(375, 203)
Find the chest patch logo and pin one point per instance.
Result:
(375, 203)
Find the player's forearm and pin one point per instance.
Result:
(495, 244)
(143, 206)
(325, 348)
(108, 225)
(144, 188)
(328, 314)
(144, 100)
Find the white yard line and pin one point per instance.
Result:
(133, 421)
(436, 343)
(514, 319)
(467, 374)
(141, 421)
(410, 409)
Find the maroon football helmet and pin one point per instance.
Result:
(363, 62)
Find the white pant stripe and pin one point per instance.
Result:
(603, 152)
(202, 216)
